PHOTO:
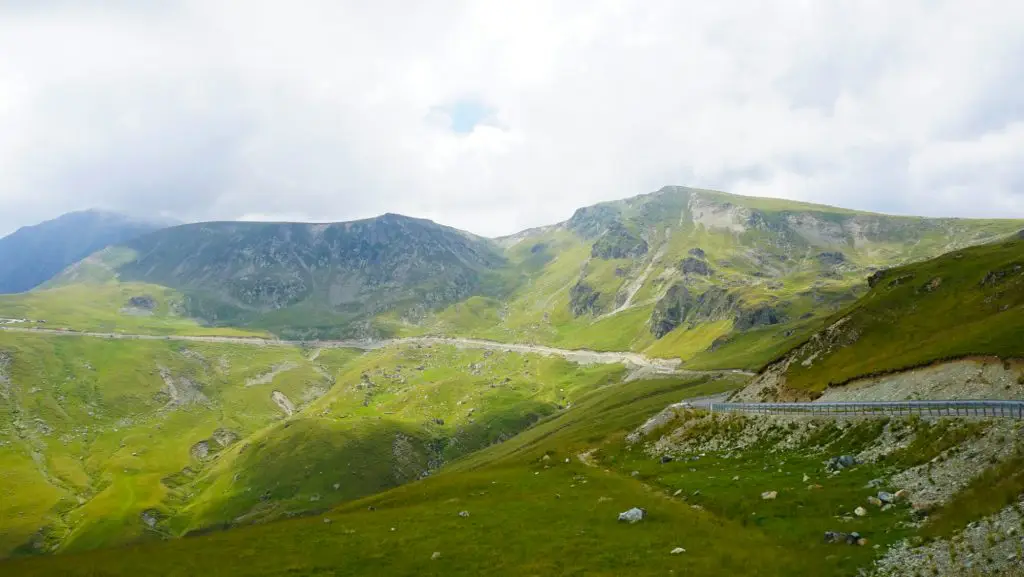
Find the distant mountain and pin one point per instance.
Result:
(34, 254)
(306, 280)
(715, 279)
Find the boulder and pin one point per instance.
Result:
(634, 515)
(886, 497)
(841, 462)
(769, 495)
(692, 265)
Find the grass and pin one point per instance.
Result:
(104, 308)
(91, 441)
(902, 323)
(527, 515)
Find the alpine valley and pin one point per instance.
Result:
(394, 396)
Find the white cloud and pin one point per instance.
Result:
(327, 110)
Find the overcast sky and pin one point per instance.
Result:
(497, 115)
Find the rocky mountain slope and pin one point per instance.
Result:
(306, 279)
(34, 254)
(719, 280)
(967, 303)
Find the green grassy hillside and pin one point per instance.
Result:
(718, 280)
(967, 302)
(546, 501)
(108, 442)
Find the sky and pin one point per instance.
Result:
(495, 116)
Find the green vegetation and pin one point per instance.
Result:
(993, 489)
(109, 442)
(968, 302)
(107, 308)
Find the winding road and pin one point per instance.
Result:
(644, 365)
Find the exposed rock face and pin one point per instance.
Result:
(680, 305)
(760, 316)
(997, 277)
(583, 299)
(831, 258)
(283, 402)
(200, 450)
(693, 265)
(876, 277)
(230, 270)
(932, 285)
(618, 242)
(144, 302)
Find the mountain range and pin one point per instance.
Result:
(33, 254)
(712, 278)
(177, 383)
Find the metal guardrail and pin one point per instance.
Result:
(1005, 409)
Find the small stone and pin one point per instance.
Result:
(546, 458)
(901, 494)
(886, 497)
(736, 478)
(862, 541)
(678, 550)
(875, 501)
(769, 495)
(813, 487)
(567, 459)
(806, 478)
(327, 521)
(463, 514)
(873, 484)
(633, 515)
(887, 506)
(634, 474)
(677, 493)
(860, 511)
(665, 459)
(435, 556)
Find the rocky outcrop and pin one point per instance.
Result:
(695, 266)
(618, 242)
(680, 305)
(831, 258)
(144, 302)
(759, 316)
(583, 299)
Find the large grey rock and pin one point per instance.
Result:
(886, 497)
(634, 515)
